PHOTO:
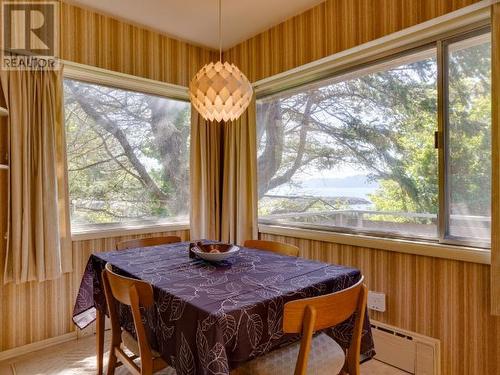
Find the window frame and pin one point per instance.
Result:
(296, 79)
(443, 139)
(103, 77)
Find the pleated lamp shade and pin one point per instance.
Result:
(220, 92)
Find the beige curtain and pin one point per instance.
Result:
(224, 178)
(39, 239)
(495, 211)
(205, 177)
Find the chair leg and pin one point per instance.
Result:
(112, 361)
(99, 340)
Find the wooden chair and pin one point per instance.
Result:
(145, 242)
(320, 355)
(136, 294)
(277, 247)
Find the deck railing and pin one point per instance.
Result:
(405, 223)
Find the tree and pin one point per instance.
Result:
(365, 121)
(127, 153)
(382, 123)
(470, 129)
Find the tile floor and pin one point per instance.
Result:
(78, 358)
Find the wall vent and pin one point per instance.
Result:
(408, 351)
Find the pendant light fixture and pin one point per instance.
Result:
(219, 91)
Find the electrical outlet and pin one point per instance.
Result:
(376, 301)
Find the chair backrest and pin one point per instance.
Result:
(134, 293)
(121, 287)
(309, 315)
(145, 242)
(277, 247)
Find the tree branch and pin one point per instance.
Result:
(111, 127)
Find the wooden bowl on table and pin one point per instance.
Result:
(215, 252)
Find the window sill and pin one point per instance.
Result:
(108, 231)
(437, 250)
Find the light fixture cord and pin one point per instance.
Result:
(220, 31)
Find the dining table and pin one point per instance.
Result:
(210, 318)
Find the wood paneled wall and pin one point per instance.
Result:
(331, 27)
(34, 311)
(445, 299)
(98, 40)
(440, 298)
(495, 156)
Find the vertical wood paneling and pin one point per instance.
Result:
(495, 100)
(94, 39)
(445, 299)
(3, 184)
(331, 27)
(36, 311)
(440, 298)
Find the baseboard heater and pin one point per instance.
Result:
(408, 351)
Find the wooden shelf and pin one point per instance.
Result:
(3, 112)
(4, 167)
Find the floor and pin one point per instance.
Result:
(78, 358)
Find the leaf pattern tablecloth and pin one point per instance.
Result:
(210, 318)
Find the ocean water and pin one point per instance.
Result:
(326, 192)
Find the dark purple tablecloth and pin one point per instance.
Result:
(209, 319)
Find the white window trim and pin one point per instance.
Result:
(120, 230)
(406, 246)
(91, 74)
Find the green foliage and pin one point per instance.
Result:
(382, 124)
(470, 130)
(127, 154)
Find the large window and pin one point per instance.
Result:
(468, 138)
(357, 152)
(127, 155)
